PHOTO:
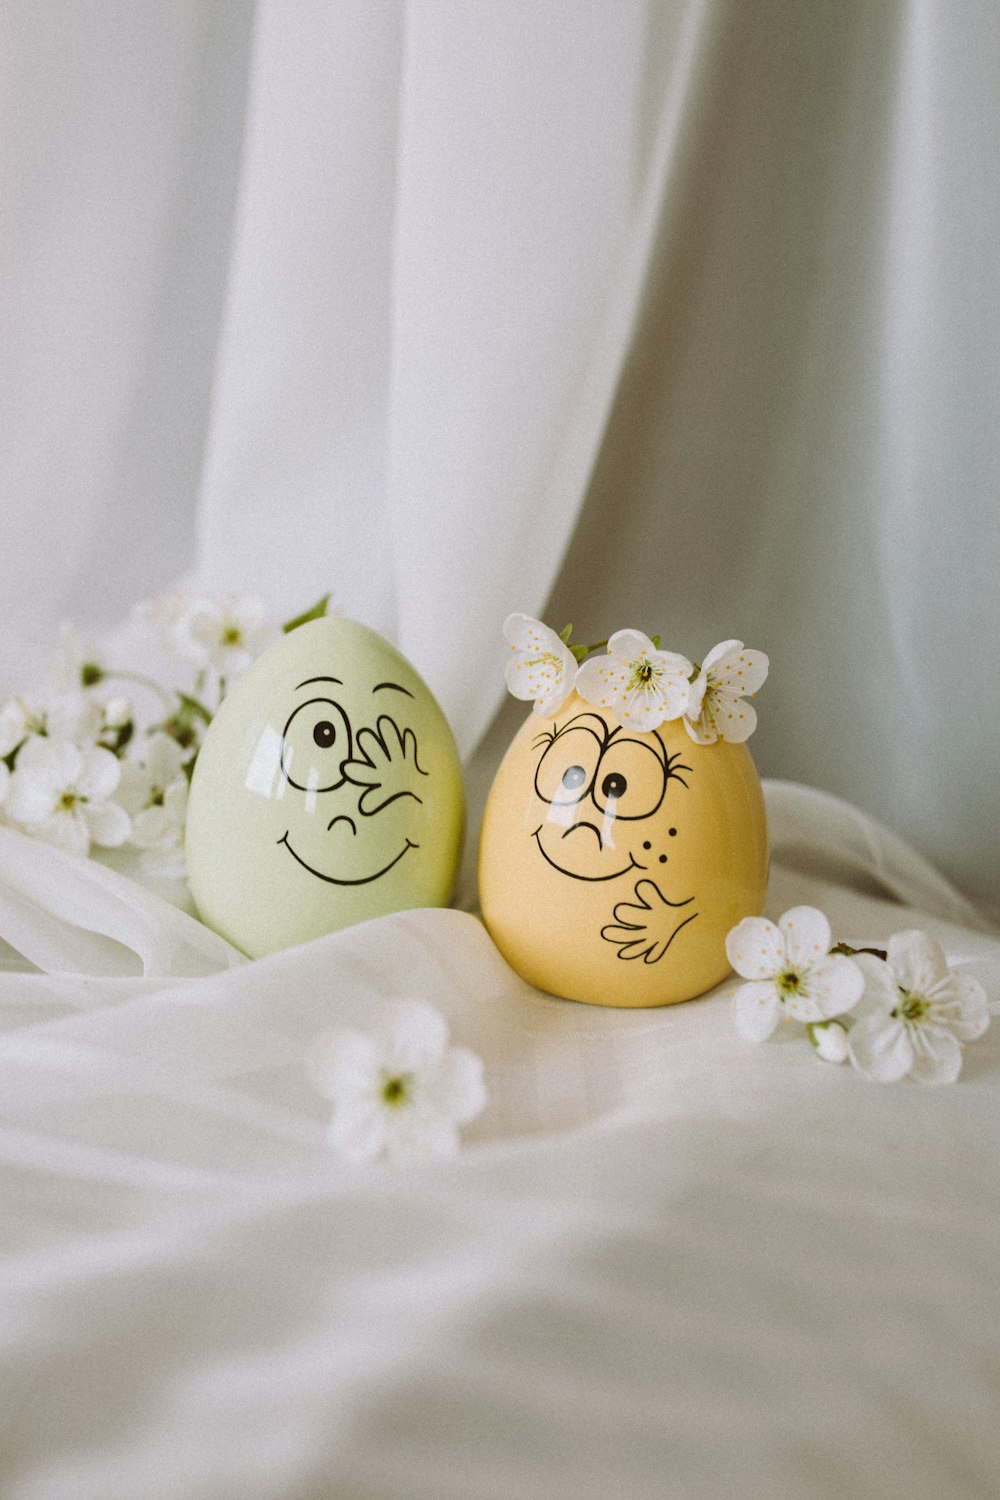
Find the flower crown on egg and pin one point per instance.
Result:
(641, 683)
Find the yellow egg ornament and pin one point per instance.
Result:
(614, 860)
(328, 790)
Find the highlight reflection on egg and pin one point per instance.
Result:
(328, 791)
(613, 863)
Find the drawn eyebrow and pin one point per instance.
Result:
(318, 679)
(395, 685)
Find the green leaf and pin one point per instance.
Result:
(191, 708)
(316, 613)
(565, 634)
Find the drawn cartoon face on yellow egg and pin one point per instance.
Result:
(613, 863)
(328, 791)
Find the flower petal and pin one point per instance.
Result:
(345, 1062)
(968, 1007)
(735, 719)
(880, 1049)
(917, 960)
(630, 644)
(359, 1131)
(455, 1087)
(601, 681)
(415, 1035)
(755, 948)
(806, 932)
(700, 730)
(881, 992)
(756, 1008)
(54, 763)
(644, 710)
(937, 1055)
(830, 1040)
(107, 823)
(100, 773)
(163, 759)
(526, 634)
(66, 830)
(836, 984)
(30, 799)
(803, 1008)
(414, 1134)
(738, 670)
(719, 655)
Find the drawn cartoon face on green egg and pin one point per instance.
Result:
(328, 791)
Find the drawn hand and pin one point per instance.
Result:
(646, 927)
(385, 764)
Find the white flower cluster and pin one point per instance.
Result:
(641, 684)
(907, 1014)
(73, 769)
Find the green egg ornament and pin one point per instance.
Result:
(328, 790)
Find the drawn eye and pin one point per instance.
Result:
(632, 779)
(315, 743)
(566, 770)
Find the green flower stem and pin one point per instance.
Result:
(143, 681)
(316, 613)
(580, 651)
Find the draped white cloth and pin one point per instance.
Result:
(675, 314)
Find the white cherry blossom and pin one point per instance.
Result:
(61, 793)
(642, 685)
(542, 666)
(224, 634)
(717, 707)
(59, 716)
(398, 1091)
(154, 791)
(915, 1013)
(791, 971)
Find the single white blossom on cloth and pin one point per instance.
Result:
(717, 707)
(915, 1013)
(641, 684)
(153, 791)
(399, 1091)
(224, 635)
(791, 971)
(542, 666)
(62, 794)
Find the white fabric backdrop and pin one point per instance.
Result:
(342, 296)
(678, 315)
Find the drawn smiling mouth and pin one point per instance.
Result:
(633, 864)
(339, 880)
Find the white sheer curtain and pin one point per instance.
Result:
(373, 297)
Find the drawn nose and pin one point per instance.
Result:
(342, 818)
